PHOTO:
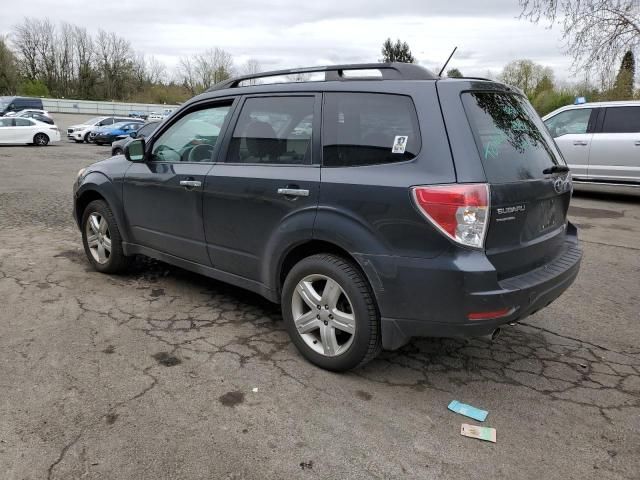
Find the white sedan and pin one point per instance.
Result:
(17, 130)
(22, 113)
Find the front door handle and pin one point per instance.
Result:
(293, 192)
(190, 183)
(637, 144)
(581, 143)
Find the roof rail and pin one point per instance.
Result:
(389, 71)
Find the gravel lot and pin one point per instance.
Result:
(153, 375)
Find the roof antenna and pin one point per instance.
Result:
(447, 62)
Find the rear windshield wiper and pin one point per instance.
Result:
(556, 169)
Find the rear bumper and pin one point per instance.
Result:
(433, 297)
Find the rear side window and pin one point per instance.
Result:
(23, 122)
(511, 139)
(369, 129)
(273, 130)
(621, 120)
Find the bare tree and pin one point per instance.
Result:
(116, 64)
(597, 32)
(526, 75)
(251, 67)
(84, 55)
(187, 74)
(201, 71)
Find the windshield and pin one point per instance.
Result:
(92, 121)
(511, 139)
(4, 102)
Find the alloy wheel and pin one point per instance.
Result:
(323, 315)
(98, 238)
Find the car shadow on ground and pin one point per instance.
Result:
(524, 355)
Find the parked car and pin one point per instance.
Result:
(109, 133)
(36, 115)
(26, 111)
(155, 116)
(600, 141)
(117, 147)
(21, 130)
(142, 115)
(81, 132)
(16, 104)
(414, 206)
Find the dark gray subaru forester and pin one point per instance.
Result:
(374, 202)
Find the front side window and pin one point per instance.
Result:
(273, 130)
(146, 130)
(621, 120)
(369, 129)
(569, 122)
(6, 122)
(511, 139)
(192, 138)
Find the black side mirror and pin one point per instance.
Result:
(134, 150)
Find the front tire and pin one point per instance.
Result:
(101, 239)
(41, 140)
(117, 151)
(330, 313)
(86, 138)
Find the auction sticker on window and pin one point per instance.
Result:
(399, 144)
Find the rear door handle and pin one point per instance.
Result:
(637, 144)
(581, 143)
(293, 192)
(190, 183)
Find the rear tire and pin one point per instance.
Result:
(40, 140)
(342, 334)
(102, 240)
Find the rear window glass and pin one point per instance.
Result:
(511, 139)
(369, 129)
(621, 120)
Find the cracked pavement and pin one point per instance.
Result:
(164, 374)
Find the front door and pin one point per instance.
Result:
(163, 196)
(573, 136)
(266, 191)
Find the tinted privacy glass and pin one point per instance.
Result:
(192, 138)
(369, 129)
(510, 137)
(571, 121)
(621, 120)
(273, 130)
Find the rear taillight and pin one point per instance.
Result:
(460, 211)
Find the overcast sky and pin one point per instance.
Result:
(286, 33)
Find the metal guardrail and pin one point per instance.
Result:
(89, 107)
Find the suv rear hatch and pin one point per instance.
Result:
(530, 188)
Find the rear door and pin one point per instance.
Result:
(573, 133)
(24, 130)
(615, 148)
(513, 149)
(266, 190)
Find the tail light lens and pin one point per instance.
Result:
(460, 211)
